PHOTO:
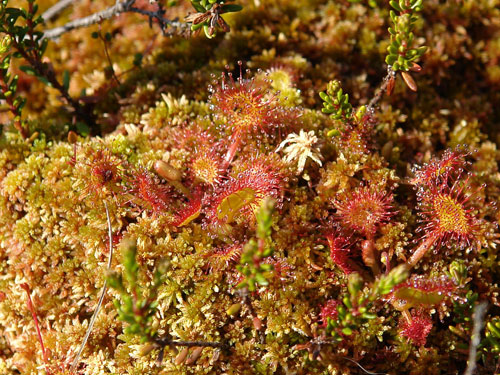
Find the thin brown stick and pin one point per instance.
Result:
(103, 293)
(46, 71)
(108, 56)
(391, 74)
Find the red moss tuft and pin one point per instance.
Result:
(147, 191)
(364, 210)
(417, 329)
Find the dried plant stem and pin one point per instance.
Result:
(103, 293)
(118, 8)
(253, 314)
(391, 74)
(110, 12)
(479, 313)
(108, 57)
(163, 343)
(363, 369)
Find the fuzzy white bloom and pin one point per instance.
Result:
(299, 147)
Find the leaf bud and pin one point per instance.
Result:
(166, 171)
(355, 283)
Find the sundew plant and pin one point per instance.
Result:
(249, 187)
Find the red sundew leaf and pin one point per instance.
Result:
(340, 251)
(417, 329)
(104, 175)
(247, 108)
(244, 193)
(224, 257)
(419, 297)
(190, 212)
(439, 169)
(148, 192)
(365, 209)
(420, 290)
(446, 216)
(206, 166)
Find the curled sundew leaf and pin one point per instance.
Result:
(190, 211)
(419, 297)
(419, 290)
(243, 194)
(231, 205)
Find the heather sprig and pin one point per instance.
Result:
(136, 306)
(401, 52)
(8, 87)
(357, 305)
(336, 102)
(255, 272)
(402, 55)
(23, 40)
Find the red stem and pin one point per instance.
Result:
(231, 152)
(17, 115)
(421, 250)
(31, 308)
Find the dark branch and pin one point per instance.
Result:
(391, 74)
